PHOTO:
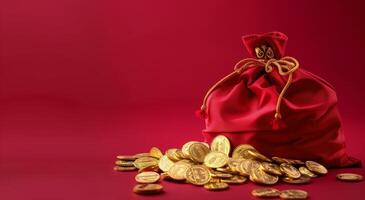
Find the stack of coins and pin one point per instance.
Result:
(215, 168)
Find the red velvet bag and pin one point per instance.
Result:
(279, 108)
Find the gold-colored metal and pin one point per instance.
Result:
(145, 162)
(316, 167)
(119, 168)
(236, 179)
(165, 163)
(147, 177)
(257, 155)
(123, 163)
(220, 175)
(198, 151)
(261, 177)
(305, 171)
(172, 154)
(185, 148)
(293, 194)
(216, 186)
(349, 177)
(290, 170)
(198, 175)
(265, 192)
(153, 168)
(215, 159)
(178, 170)
(221, 144)
(288, 161)
(155, 152)
(148, 188)
(238, 151)
(126, 157)
(271, 168)
(301, 180)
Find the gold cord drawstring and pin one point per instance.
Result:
(285, 66)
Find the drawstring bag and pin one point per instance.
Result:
(280, 109)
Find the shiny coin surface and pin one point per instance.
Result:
(145, 162)
(215, 159)
(124, 163)
(316, 167)
(266, 192)
(293, 194)
(301, 180)
(147, 177)
(152, 168)
(238, 151)
(246, 166)
(216, 186)
(221, 175)
(198, 151)
(261, 177)
(256, 155)
(119, 168)
(185, 148)
(198, 175)
(155, 152)
(305, 171)
(236, 179)
(288, 161)
(289, 170)
(127, 157)
(178, 170)
(172, 154)
(271, 168)
(165, 163)
(221, 144)
(349, 177)
(148, 188)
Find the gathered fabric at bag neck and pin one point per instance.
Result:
(267, 58)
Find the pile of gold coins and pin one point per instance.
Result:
(199, 164)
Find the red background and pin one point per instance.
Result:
(82, 81)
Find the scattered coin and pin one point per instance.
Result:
(198, 151)
(145, 162)
(152, 168)
(256, 155)
(215, 159)
(271, 168)
(178, 170)
(221, 175)
(221, 144)
(349, 177)
(261, 177)
(301, 180)
(147, 177)
(307, 172)
(293, 194)
(148, 188)
(289, 170)
(127, 157)
(236, 179)
(165, 163)
(237, 152)
(198, 175)
(124, 163)
(119, 168)
(216, 186)
(316, 167)
(266, 192)
(155, 152)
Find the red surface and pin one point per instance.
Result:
(82, 81)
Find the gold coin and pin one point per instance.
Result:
(148, 188)
(198, 151)
(316, 167)
(198, 175)
(256, 155)
(234, 164)
(237, 152)
(287, 161)
(221, 175)
(265, 192)
(155, 152)
(178, 170)
(301, 180)
(185, 148)
(145, 162)
(119, 168)
(152, 168)
(236, 179)
(165, 163)
(225, 170)
(305, 171)
(147, 177)
(261, 177)
(215, 159)
(216, 186)
(139, 155)
(349, 177)
(293, 194)
(172, 155)
(271, 168)
(123, 163)
(126, 157)
(289, 170)
(246, 166)
(221, 144)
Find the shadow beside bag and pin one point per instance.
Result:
(279, 108)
